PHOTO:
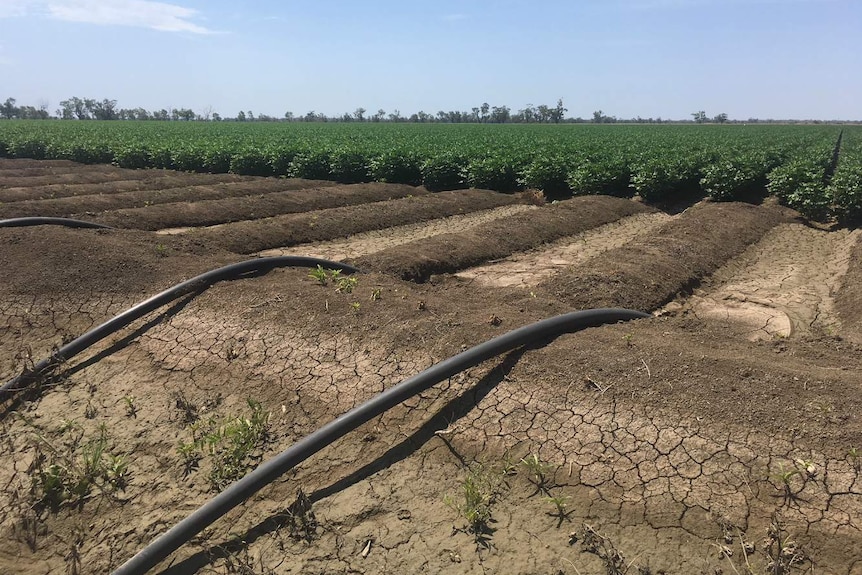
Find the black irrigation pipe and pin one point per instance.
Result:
(79, 344)
(275, 467)
(45, 221)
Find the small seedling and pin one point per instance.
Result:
(784, 477)
(117, 471)
(560, 503)
(62, 474)
(854, 456)
(538, 471)
(161, 250)
(319, 274)
(345, 285)
(474, 504)
(375, 294)
(131, 408)
(229, 443)
(191, 456)
(355, 305)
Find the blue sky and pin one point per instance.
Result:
(669, 58)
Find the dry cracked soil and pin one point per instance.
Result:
(722, 434)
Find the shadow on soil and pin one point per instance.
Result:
(34, 384)
(455, 409)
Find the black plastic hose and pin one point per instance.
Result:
(79, 344)
(44, 221)
(272, 469)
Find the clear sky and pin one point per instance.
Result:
(748, 58)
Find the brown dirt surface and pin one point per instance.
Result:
(848, 299)
(651, 270)
(374, 241)
(292, 229)
(447, 253)
(24, 163)
(783, 285)
(529, 268)
(90, 206)
(53, 191)
(194, 213)
(672, 443)
(62, 170)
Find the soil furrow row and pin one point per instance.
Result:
(529, 268)
(144, 199)
(650, 271)
(218, 211)
(145, 182)
(447, 253)
(289, 230)
(84, 177)
(49, 171)
(377, 240)
(781, 286)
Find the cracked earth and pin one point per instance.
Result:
(686, 443)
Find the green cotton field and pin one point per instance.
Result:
(667, 163)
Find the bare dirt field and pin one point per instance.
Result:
(721, 435)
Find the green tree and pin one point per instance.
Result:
(559, 112)
(8, 109)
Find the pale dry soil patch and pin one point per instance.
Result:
(529, 268)
(374, 241)
(781, 286)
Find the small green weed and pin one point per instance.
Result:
(345, 284)
(477, 495)
(538, 471)
(66, 472)
(342, 284)
(131, 408)
(319, 274)
(854, 457)
(784, 477)
(230, 444)
(560, 503)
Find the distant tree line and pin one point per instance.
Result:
(90, 109)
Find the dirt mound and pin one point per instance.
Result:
(46, 260)
(377, 240)
(89, 205)
(289, 230)
(297, 198)
(53, 191)
(651, 270)
(418, 260)
(528, 269)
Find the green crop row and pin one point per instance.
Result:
(660, 163)
(845, 189)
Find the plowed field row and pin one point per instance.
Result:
(732, 415)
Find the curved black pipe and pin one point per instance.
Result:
(272, 469)
(79, 344)
(45, 221)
